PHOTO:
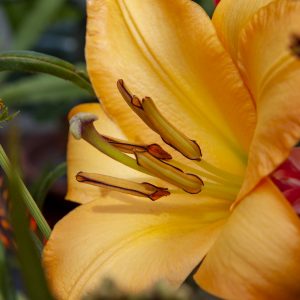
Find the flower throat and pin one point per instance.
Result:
(152, 159)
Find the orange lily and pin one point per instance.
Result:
(231, 84)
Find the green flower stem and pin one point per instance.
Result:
(30, 264)
(30, 203)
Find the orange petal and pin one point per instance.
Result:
(134, 241)
(272, 74)
(169, 50)
(257, 255)
(81, 156)
(230, 17)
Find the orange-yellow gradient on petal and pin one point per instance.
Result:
(272, 73)
(229, 19)
(136, 244)
(169, 50)
(258, 253)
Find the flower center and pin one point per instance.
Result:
(152, 159)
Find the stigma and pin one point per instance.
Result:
(152, 159)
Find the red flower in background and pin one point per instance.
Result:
(216, 2)
(287, 179)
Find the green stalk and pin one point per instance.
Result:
(33, 275)
(29, 201)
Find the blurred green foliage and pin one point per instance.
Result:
(50, 27)
(30, 263)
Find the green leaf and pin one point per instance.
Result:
(36, 20)
(48, 181)
(31, 268)
(34, 62)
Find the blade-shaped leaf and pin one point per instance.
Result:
(34, 62)
(29, 261)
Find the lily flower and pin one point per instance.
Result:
(188, 178)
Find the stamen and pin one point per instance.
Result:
(188, 182)
(133, 102)
(204, 174)
(226, 189)
(81, 126)
(149, 113)
(208, 193)
(154, 149)
(144, 189)
(237, 180)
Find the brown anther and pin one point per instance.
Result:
(126, 147)
(190, 183)
(158, 152)
(169, 133)
(136, 102)
(144, 189)
(124, 91)
(152, 117)
(133, 101)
